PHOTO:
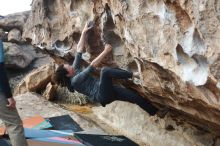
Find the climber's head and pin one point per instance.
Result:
(62, 74)
(69, 69)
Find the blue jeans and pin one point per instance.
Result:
(109, 92)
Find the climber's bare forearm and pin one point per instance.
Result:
(99, 59)
(81, 44)
(83, 38)
(96, 62)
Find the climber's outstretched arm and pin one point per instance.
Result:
(83, 38)
(105, 52)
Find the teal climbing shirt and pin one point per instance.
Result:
(1, 52)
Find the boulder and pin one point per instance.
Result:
(135, 123)
(36, 80)
(215, 67)
(200, 105)
(69, 18)
(18, 56)
(3, 35)
(14, 35)
(2, 32)
(217, 142)
(50, 92)
(172, 44)
(12, 21)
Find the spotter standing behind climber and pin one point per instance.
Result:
(8, 112)
(100, 90)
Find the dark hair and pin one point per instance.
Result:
(60, 77)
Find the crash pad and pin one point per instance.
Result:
(4, 142)
(64, 122)
(33, 133)
(62, 140)
(32, 142)
(36, 122)
(104, 140)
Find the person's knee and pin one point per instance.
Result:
(105, 70)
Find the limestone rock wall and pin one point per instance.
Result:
(14, 21)
(174, 44)
(36, 80)
(152, 131)
(18, 56)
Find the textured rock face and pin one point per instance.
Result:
(50, 92)
(18, 56)
(215, 68)
(175, 43)
(14, 35)
(36, 80)
(2, 32)
(14, 21)
(135, 123)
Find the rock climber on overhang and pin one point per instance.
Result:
(100, 90)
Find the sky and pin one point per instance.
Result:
(14, 6)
